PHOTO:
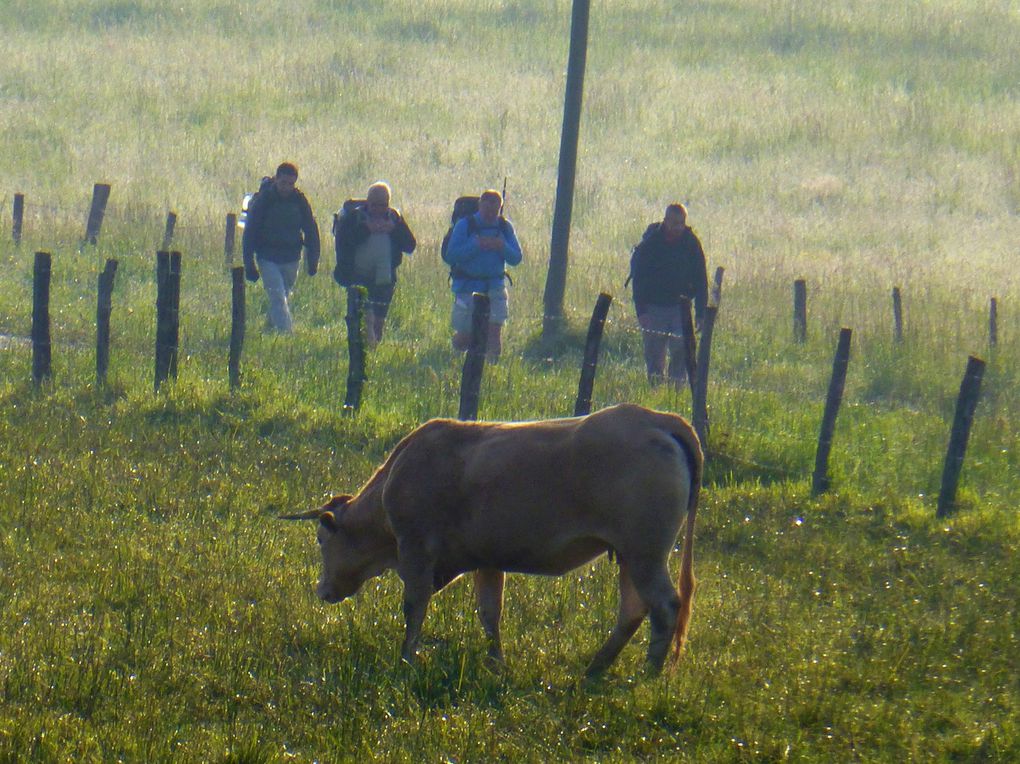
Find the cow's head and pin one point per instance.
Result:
(348, 557)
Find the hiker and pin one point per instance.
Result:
(371, 241)
(481, 246)
(667, 265)
(279, 223)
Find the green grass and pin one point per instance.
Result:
(153, 607)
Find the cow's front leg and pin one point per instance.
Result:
(416, 570)
(489, 593)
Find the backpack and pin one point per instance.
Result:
(248, 199)
(347, 208)
(463, 207)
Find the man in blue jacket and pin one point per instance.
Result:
(481, 246)
(279, 223)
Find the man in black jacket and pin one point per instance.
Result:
(279, 223)
(668, 264)
(371, 241)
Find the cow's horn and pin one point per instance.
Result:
(310, 514)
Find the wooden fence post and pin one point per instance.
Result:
(700, 392)
(357, 297)
(716, 294)
(100, 196)
(966, 403)
(229, 238)
(582, 405)
(474, 359)
(820, 479)
(237, 320)
(41, 367)
(799, 310)
(104, 307)
(168, 232)
(174, 312)
(18, 217)
(162, 299)
(897, 307)
(993, 323)
(690, 344)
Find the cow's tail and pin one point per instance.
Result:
(688, 439)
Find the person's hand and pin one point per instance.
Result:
(251, 273)
(380, 226)
(490, 243)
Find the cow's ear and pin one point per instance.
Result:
(328, 521)
(337, 503)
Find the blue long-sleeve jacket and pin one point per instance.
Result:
(475, 269)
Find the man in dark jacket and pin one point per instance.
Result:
(371, 241)
(279, 223)
(668, 264)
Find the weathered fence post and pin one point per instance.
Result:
(966, 403)
(582, 405)
(104, 307)
(162, 301)
(237, 320)
(897, 308)
(41, 368)
(100, 196)
(18, 217)
(174, 311)
(168, 232)
(229, 237)
(993, 323)
(820, 479)
(474, 359)
(799, 310)
(699, 406)
(716, 294)
(690, 345)
(357, 296)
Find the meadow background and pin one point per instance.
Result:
(153, 609)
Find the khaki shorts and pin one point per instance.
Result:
(463, 307)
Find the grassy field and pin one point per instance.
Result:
(153, 609)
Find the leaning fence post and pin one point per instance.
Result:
(700, 392)
(582, 405)
(716, 294)
(799, 310)
(162, 300)
(41, 369)
(966, 403)
(100, 196)
(474, 359)
(690, 345)
(820, 479)
(993, 323)
(104, 307)
(229, 237)
(897, 307)
(237, 319)
(168, 232)
(357, 296)
(18, 217)
(174, 312)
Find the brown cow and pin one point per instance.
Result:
(534, 497)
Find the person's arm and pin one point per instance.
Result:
(402, 235)
(311, 233)
(249, 239)
(699, 278)
(463, 246)
(512, 254)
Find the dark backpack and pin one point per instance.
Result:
(463, 207)
(249, 199)
(348, 208)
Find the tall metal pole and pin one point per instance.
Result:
(556, 279)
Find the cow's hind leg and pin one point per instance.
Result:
(631, 613)
(416, 571)
(658, 593)
(489, 593)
